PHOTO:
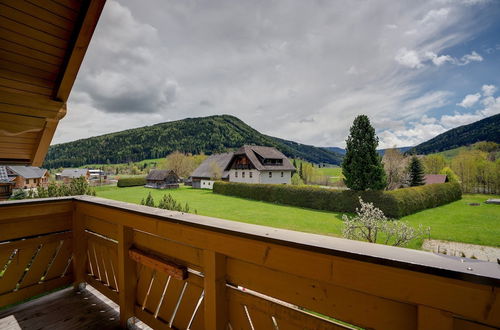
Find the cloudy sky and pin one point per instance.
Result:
(295, 69)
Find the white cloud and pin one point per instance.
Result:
(439, 60)
(469, 100)
(409, 58)
(472, 57)
(276, 65)
(417, 60)
(428, 127)
(435, 15)
(489, 90)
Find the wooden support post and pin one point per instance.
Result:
(431, 318)
(79, 248)
(215, 290)
(127, 276)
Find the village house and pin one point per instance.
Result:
(162, 179)
(28, 177)
(258, 164)
(6, 184)
(435, 178)
(212, 168)
(68, 174)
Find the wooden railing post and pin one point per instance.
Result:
(79, 248)
(127, 277)
(215, 290)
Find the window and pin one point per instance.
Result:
(235, 174)
(27, 181)
(250, 173)
(270, 174)
(281, 174)
(243, 174)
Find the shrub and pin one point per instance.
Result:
(77, 186)
(371, 225)
(394, 204)
(132, 181)
(414, 199)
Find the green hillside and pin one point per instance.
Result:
(192, 135)
(487, 129)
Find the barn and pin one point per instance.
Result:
(162, 179)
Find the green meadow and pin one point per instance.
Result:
(457, 221)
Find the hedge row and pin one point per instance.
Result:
(132, 181)
(394, 204)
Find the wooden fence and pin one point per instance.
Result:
(185, 271)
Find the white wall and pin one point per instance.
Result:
(207, 184)
(276, 177)
(247, 179)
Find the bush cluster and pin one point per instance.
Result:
(77, 186)
(167, 202)
(132, 181)
(394, 204)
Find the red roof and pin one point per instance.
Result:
(435, 178)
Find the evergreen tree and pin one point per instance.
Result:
(362, 165)
(416, 172)
(295, 163)
(301, 174)
(149, 201)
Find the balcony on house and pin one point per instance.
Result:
(173, 270)
(185, 271)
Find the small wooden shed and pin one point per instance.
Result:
(162, 179)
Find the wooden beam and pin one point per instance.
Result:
(11, 124)
(127, 275)
(152, 261)
(30, 105)
(45, 138)
(79, 48)
(216, 310)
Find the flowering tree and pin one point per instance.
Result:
(371, 225)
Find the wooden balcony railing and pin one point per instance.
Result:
(192, 272)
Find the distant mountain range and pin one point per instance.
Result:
(209, 135)
(487, 129)
(215, 134)
(380, 151)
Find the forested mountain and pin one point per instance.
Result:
(487, 129)
(380, 151)
(192, 135)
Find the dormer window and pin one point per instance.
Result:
(272, 161)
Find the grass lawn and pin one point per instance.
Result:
(460, 222)
(335, 173)
(456, 221)
(233, 208)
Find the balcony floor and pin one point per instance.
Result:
(63, 309)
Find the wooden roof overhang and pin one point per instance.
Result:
(42, 44)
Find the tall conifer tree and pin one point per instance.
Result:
(416, 171)
(362, 166)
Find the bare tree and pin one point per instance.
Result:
(180, 163)
(394, 165)
(373, 226)
(215, 171)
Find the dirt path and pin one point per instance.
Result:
(486, 253)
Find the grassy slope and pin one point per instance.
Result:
(455, 222)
